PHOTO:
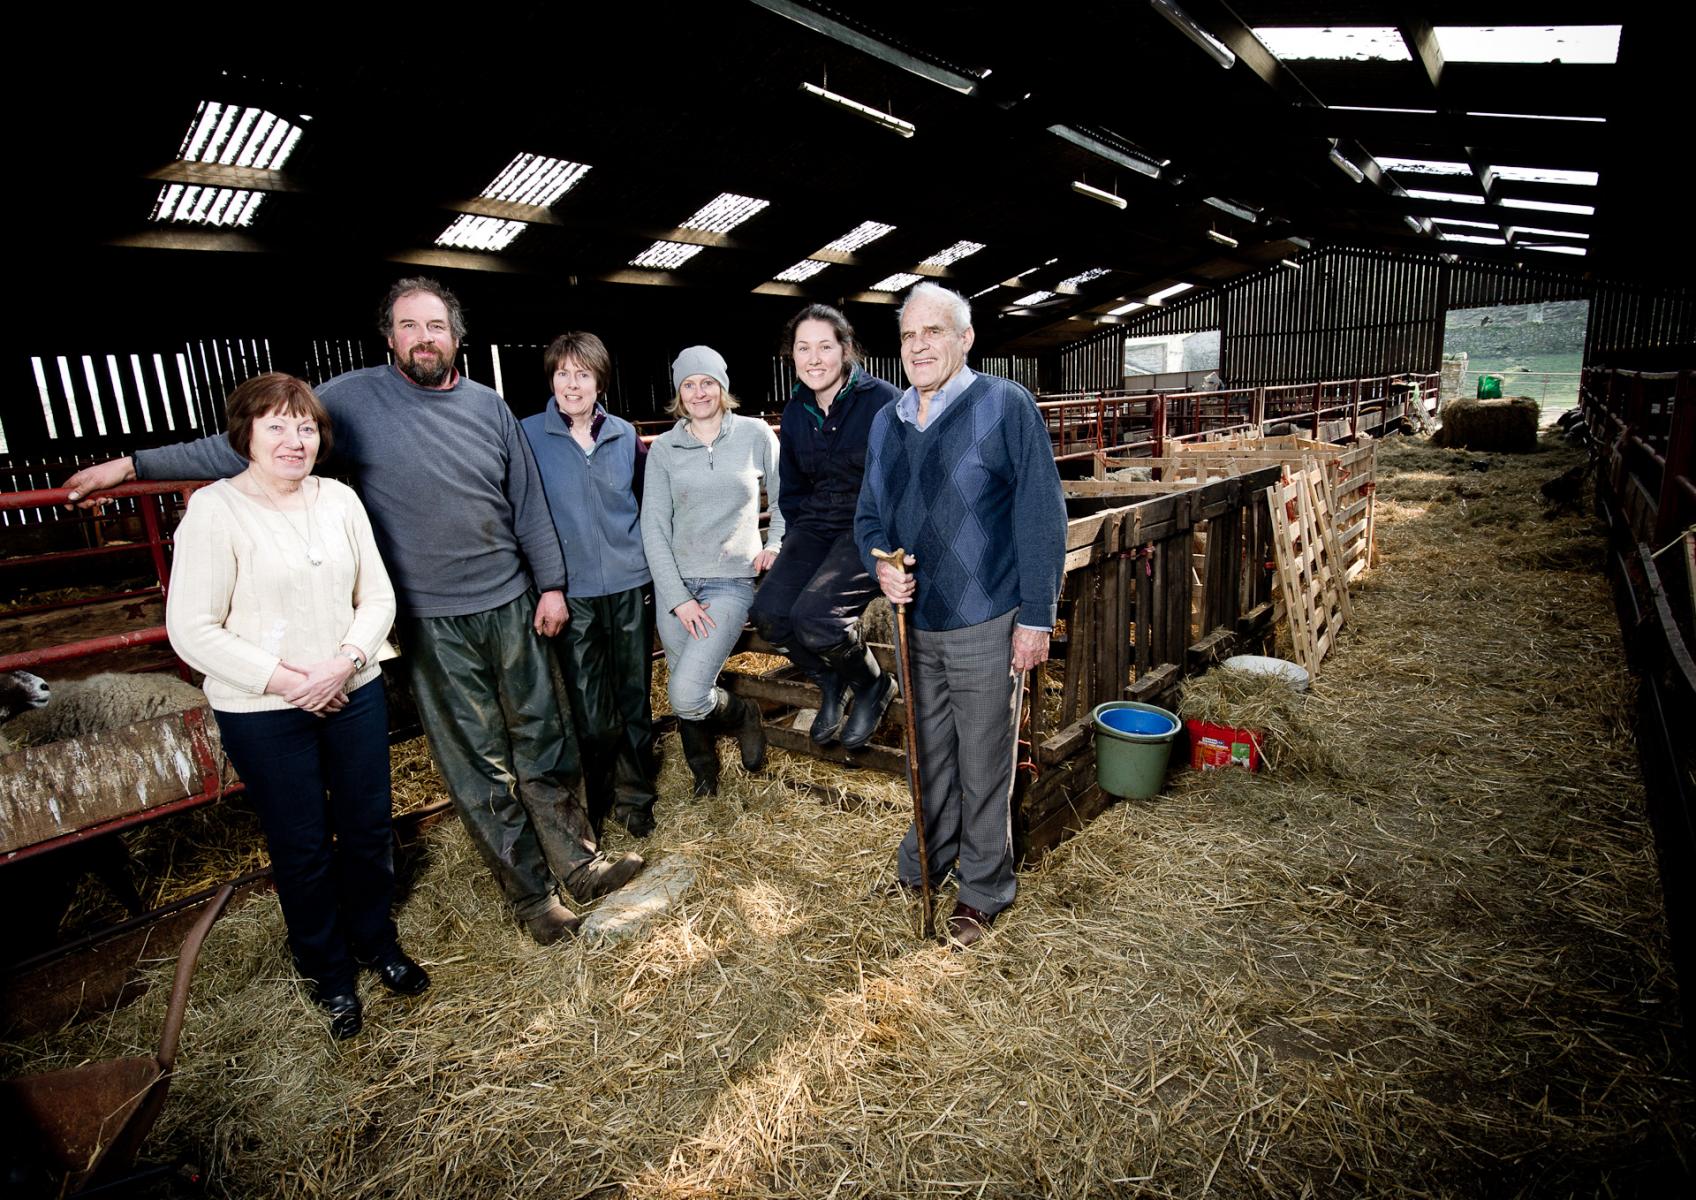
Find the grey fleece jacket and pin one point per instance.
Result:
(448, 479)
(701, 505)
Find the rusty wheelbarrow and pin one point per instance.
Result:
(86, 1124)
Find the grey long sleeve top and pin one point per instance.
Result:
(448, 479)
(701, 505)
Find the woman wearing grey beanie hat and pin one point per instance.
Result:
(701, 531)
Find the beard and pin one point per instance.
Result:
(426, 372)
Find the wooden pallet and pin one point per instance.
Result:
(1311, 577)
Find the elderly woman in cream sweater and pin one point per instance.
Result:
(279, 596)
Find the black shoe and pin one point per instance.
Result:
(827, 726)
(701, 755)
(602, 874)
(347, 1018)
(401, 975)
(867, 713)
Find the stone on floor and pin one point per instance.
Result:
(652, 893)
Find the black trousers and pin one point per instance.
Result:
(321, 786)
(813, 596)
(606, 655)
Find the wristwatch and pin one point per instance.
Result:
(354, 657)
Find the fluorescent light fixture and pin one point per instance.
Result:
(238, 137)
(986, 291)
(1468, 224)
(1413, 112)
(1343, 164)
(1290, 263)
(950, 255)
(1445, 197)
(804, 15)
(1082, 277)
(1186, 25)
(1130, 160)
(663, 256)
(1358, 43)
(801, 271)
(1299, 241)
(863, 234)
(188, 204)
(1222, 239)
(1036, 297)
(480, 233)
(1546, 175)
(1529, 43)
(1095, 193)
(1538, 117)
(895, 282)
(1566, 233)
(534, 179)
(1418, 224)
(876, 116)
(1126, 308)
(724, 212)
(1579, 250)
(1240, 211)
(1422, 166)
(1582, 210)
(1167, 293)
(1475, 237)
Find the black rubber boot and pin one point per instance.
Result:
(741, 716)
(873, 688)
(701, 754)
(827, 726)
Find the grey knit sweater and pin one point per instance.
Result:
(450, 483)
(701, 505)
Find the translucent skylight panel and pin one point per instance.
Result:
(1583, 210)
(1566, 233)
(863, 234)
(1167, 293)
(244, 137)
(1422, 166)
(1546, 175)
(1539, 117)
(1475, 237)
(192, 205)
(724, 212)
(1557, 249)
(1083, 277)
(894, 283)
(1036, 297)
(1354, 42)
(953, 254)
(1529, 43)
(1125, 308)
(1448, 197)
(664, 256)
(480, 233)
(534, 179)
(1468, 224)
(801, 271)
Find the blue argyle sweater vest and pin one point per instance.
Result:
(976, 499)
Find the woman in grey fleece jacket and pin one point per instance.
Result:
(701, 532)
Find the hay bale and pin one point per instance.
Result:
(1509, 424)
(879, 623)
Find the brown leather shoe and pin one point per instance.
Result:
(552, 924)
(967, 924)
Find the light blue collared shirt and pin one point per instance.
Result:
(907, 408)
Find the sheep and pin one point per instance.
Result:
(20, 692)
(106, 701)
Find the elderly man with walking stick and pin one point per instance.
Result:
(960, 472)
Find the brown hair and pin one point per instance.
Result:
(415, 285)
(586, 349)
(274, 392)
(852, 351)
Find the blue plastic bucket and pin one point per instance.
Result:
(1133, 743)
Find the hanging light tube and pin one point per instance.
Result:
(1186, 25)
(1222, 239)
(1347, 167)
(876, 116)
(1095, 193)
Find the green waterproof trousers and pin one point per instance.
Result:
(491, 705)
(606, 652)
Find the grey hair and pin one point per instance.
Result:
(957, 305)
(402, 288)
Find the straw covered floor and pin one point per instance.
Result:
(1423, 955)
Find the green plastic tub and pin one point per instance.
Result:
(1132, 745)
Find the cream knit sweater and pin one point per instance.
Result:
(244, 595)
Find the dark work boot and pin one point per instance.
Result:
(700, 753)
(873, 688)
(827, 726)
(742, 716)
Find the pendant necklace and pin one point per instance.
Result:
(314, 552)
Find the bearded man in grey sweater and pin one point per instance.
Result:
(463, 525)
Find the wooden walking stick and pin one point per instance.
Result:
(897, 558)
